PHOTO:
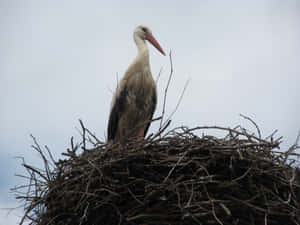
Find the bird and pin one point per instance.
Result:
(135, 98)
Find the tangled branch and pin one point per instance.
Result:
(174, 178)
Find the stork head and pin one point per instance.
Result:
(145, 33)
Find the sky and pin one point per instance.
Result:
(60, 61)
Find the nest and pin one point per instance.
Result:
(176, 178)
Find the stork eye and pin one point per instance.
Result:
(144, 29)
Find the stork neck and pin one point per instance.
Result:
(142, 48)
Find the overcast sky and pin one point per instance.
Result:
(59, 61)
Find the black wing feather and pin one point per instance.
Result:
(115, 113)
(152, 109)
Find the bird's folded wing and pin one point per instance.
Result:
(115, 113)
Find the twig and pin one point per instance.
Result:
(179, 101)
(83, 134)
(158, 76)
(170, 172)
(257, 128)
(292, 148)
(166, 91)
(231, 130)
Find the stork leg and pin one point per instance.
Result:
(140, 134)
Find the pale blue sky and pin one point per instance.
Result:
(59, 60)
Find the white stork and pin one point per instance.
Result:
(134, 101)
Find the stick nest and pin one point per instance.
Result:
(178, 178)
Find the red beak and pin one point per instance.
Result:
(154, 42)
